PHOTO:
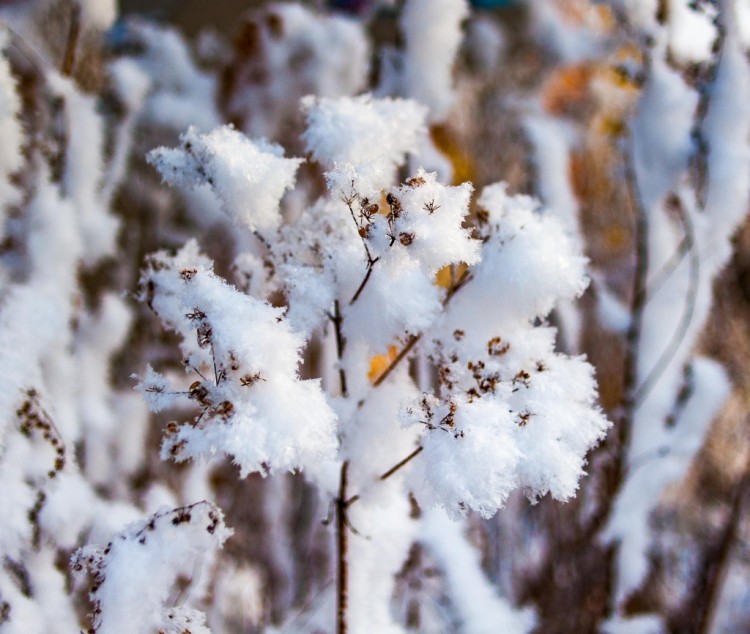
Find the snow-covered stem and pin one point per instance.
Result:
(651, 379)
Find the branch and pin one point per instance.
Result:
(259, 236)
(413, 339)
(687, 316)
(392, 365)
(342, 545)
(668, 268)
(362, 285)
(388, 474)
(340, 343)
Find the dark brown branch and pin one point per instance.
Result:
(396, 467)
(69, 58)
(340, 343)
(465, 279)
(392, 366)
(389, 473)
(637, 306)
(362, 285)
(342, 546)
(413, 339)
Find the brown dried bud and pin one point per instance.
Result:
(406, 239)
(496, 347)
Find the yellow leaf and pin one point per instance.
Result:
(380, 362)
(450, 274)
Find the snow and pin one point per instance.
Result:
(433, 34)
(255, 408)
(661, 131)
(100, 14)
(691, 30)
(248, 177)
(712, 226)
(135, 571)
(361, 140)
(481, 610)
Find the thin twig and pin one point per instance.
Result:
(668, 268)
(412, 341)
(340, 343)
(342, 543)
(678, 337)
(389, 473)
(463, 281)
(362, 285)
(396, 467)
(392, 365)
(638, 303)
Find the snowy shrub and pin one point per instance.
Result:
(426, 302)
(508, 411)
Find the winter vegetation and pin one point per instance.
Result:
(377, 316)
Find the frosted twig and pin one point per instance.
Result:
(666, 357)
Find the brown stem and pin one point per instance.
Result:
(389, 473)
(71, 45)
(342, 543)
(362, 285)
(465, 278)
(392, 365)
(340, 343)
(396, 467)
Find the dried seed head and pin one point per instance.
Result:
(406, 239)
